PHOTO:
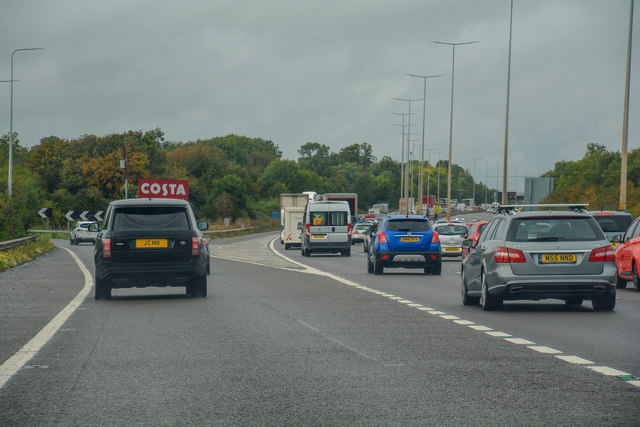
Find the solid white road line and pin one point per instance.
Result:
(12, 365)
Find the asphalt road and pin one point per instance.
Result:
(280, 343)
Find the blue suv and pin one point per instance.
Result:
(406, 241)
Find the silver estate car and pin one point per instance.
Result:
(452, 234)
(537, 255)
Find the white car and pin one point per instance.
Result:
(451, 235)
(81, 233)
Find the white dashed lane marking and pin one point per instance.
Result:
(604, 370)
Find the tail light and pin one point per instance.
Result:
(435, 238)
(195, 246)
(349, 231)
(605, 253)
(382, 237)
(508, 255)
(308, 230)
(106, 248)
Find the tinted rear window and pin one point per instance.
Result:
(407, 225)
(556, 229)
(613, 223)
(150, 218)
(451, 230)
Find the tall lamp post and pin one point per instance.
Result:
(453, 65)
(424, 109)
(506, 120)
(402, 166)
(10, 180)
(406, 186)
(625, 120)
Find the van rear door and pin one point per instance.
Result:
(339, 224)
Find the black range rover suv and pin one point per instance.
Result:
(150, 242)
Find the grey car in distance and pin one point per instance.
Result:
(538, 255)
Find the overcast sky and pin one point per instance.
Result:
(327, 71)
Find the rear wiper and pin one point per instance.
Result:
(544, 239)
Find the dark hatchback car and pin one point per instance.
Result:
(151, 242)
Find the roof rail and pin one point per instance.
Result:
(512, 209)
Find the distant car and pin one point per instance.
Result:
(452, 234)
(373, 225)
(537, 255)
(613, 223)
(404, 241)
(359, 232)
(81, 233)
(473, 234)
(628, 257)
(150, 242)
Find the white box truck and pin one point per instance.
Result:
(290, 200)
(291, 234)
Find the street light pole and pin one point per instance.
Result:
(402, 166)
(453, 65)
(625, 120)
(406, 186)
(424, 114)
(10, 180)
(506, 121)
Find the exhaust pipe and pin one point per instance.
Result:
(516, 289)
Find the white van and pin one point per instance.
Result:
(326, 227)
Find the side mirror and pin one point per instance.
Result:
(95, 227)
(203, 225)
(467, 244)
(616, 238)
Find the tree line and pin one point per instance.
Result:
(230, 176)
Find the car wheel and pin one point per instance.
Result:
(377, 268)
(466, 299)
(488, 301)
(286, 246)
(197, 287)
(436, 269)
(102, 289)
(346, 252)
(636, 279)
(604, 303)
(574, 301)
(620, 282)
(70, 241)
(369, 265)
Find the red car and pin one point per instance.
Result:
(628, 257)
(473, 234)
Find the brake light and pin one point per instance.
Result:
(604, 214)
(195, 247)
(605, 253)
(435, 238)
(382, 237)
(349, 231)
(106, 248)
(308, 230)
(508, 255)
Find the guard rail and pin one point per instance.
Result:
(9, 244)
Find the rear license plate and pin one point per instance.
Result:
(318, 236)
(409, 239)
(151, 243)
(557, 258)
(452, 249)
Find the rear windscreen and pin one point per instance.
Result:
(407, 225)
(554, 230)
(150, 218)
(338, 218)
(451, 230)
(613, 223)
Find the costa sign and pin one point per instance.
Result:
(163, 188)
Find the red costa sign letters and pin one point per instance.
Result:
(163, 188)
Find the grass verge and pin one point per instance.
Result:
(16, 256)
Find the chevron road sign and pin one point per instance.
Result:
(45, 212)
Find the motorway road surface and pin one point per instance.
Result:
(288, 340)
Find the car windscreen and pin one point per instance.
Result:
(451, 230)
(150, 218)
(554, 229)
(613, 223)
(408, 225)
(335, 218)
